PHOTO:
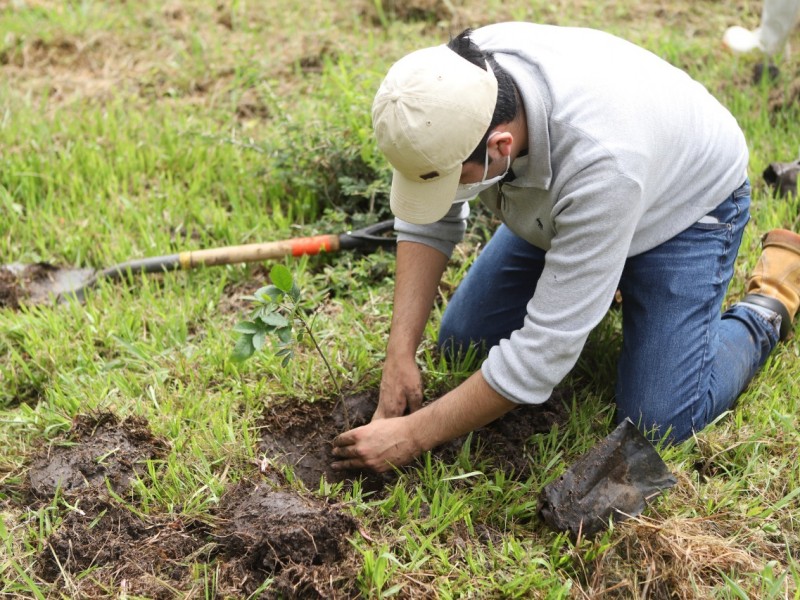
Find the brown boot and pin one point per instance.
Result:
(775, 282)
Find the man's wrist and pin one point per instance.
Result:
(417, 424)
(401, 351)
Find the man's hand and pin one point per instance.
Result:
(378, 446)
(397, 441)
(401, 389)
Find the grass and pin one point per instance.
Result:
(137, 129)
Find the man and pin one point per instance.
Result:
(610, 169)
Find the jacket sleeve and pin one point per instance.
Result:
(442, 235)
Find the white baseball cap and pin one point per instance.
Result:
(430, 113)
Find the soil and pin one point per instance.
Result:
(97, 449)
(9, 289)
(268, 530)
(263, 527)
(301, 436)
(37, 283)
(153, 554)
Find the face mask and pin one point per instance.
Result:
(467, 191)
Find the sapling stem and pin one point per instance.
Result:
(278, 308)
(310, 333)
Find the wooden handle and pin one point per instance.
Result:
(257, 252)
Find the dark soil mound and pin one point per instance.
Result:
(300, 435)
(152, 555)
(298, 540)
(97, 448)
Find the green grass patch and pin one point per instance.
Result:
(142, 129)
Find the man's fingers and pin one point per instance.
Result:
(345, 451)
(348, 438)
(342, 465)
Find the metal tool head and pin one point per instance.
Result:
(40, 283)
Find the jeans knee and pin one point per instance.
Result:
(456, 342)
(657, 422)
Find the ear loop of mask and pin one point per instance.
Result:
(483, 182)
(486, 163)
(467, 191)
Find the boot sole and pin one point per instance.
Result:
(775, 306)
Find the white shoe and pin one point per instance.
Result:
(741, 40)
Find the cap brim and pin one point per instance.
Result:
(423, 202)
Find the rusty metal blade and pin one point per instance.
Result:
(613, 481)
(39, 283)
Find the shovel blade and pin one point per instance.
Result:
(612, 481)
(39, 283)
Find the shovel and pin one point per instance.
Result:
(42, 282)
(614, 480)
(782, 177)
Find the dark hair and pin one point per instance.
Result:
(506, 108)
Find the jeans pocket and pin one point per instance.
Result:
(708, 226)
(724, 216)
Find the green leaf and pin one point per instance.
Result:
(294, 293)
(282, 278)
(246, 327)
(287, 355)
(284, 334)
(259, 339)
(274, 319)
(269, 292)
(258, 315)
(244, 348)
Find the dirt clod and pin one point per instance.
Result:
(96, 449)
(299, 540)
(151, 554)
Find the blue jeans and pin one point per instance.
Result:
(682, 363)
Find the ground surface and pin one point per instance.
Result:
(264, 527)
(135, 129)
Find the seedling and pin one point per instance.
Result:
(277, 310)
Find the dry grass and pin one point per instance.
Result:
(674, 558)
(682, 557)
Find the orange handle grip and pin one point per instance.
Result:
(257, 252)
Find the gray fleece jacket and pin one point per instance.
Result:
(625, 151)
